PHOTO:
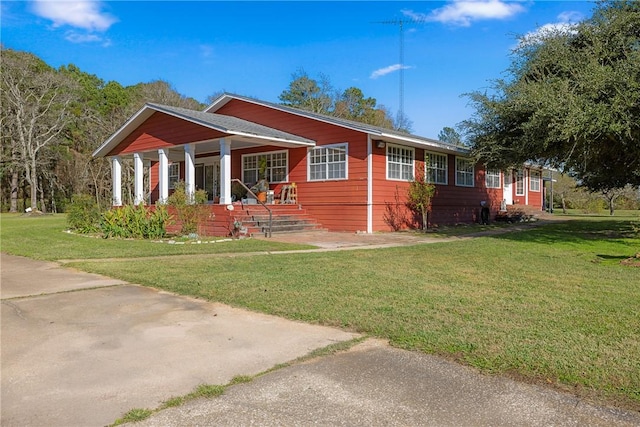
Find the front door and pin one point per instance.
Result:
(507, 191)
(208, 177)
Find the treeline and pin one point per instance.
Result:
(53, 119)
(51, 122)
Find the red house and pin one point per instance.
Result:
(349, 176)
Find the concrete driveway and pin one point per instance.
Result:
(80, 349)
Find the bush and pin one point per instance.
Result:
(191, 209)
(83, 214)
(135, 222)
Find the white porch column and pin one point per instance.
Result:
(163, 175)
(116, 180)
(225, 171)
(190, 169)
(138, 183)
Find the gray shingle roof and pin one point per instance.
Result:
(229, 124)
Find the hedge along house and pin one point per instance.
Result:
(349, 176)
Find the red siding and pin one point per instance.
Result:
(161, 131)
(339, 205)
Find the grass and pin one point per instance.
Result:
(550, 304)
(43, 237)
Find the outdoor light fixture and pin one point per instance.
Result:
(380, 144)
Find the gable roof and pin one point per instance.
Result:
(376, 132)
(225, 124)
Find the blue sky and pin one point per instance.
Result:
(253, 48)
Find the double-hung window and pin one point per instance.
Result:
(435, 168)
(276, 171)
(464, 172)
(328, 162)
(174, 175)
(492, 178)
(400, 162)
(534, 181)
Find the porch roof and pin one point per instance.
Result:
(229, 125)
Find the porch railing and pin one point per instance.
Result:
(268, 232)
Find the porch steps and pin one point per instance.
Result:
(519, 213)
(255, 220)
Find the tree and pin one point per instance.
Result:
(36, 109)
(307, 94)
(571, 101)
(419, 197)
(450, 136)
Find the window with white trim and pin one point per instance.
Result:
(400, 161)
(534, 181)
(519, 182)
(328, 162)
(492, 178)
(174, 175)
(464, 172)
(277, 167)
(435, 168)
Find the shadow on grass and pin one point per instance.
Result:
(576, 230)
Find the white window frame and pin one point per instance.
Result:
(520, 187)
(431, 171)
(463, 175)
(404, 152)
(490, 177)
(270, 165)
(174, 174)
(534, 181)
(327, 151)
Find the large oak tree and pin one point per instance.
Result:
(571, 100)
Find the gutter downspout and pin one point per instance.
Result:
(369, 185)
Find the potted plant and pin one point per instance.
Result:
(262, 186)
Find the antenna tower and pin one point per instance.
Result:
(400, 23)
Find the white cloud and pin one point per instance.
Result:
(387, 70)
(82, 14)
(566, 24)
(464, 12)
(75, 37)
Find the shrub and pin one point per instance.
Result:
(83, 214)
(191, 209)
(135, 222)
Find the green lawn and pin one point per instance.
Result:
(550, 305)
(43, 237)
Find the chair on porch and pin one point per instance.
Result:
(289, 194)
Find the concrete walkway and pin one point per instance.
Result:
(375, 385)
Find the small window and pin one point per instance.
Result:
(277, 166)
(464, 172)
(328, 162)
(436, 168)
(492, 178)
(534, 181)
(174, 175)
(400, 162)
(519, 182)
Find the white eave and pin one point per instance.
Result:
(225, 124)
(376, 133)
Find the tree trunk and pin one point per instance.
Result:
(43, 205)
(564, 206)
(611, 208)
(13, 198)
(33, 183)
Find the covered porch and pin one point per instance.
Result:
(169, 144)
